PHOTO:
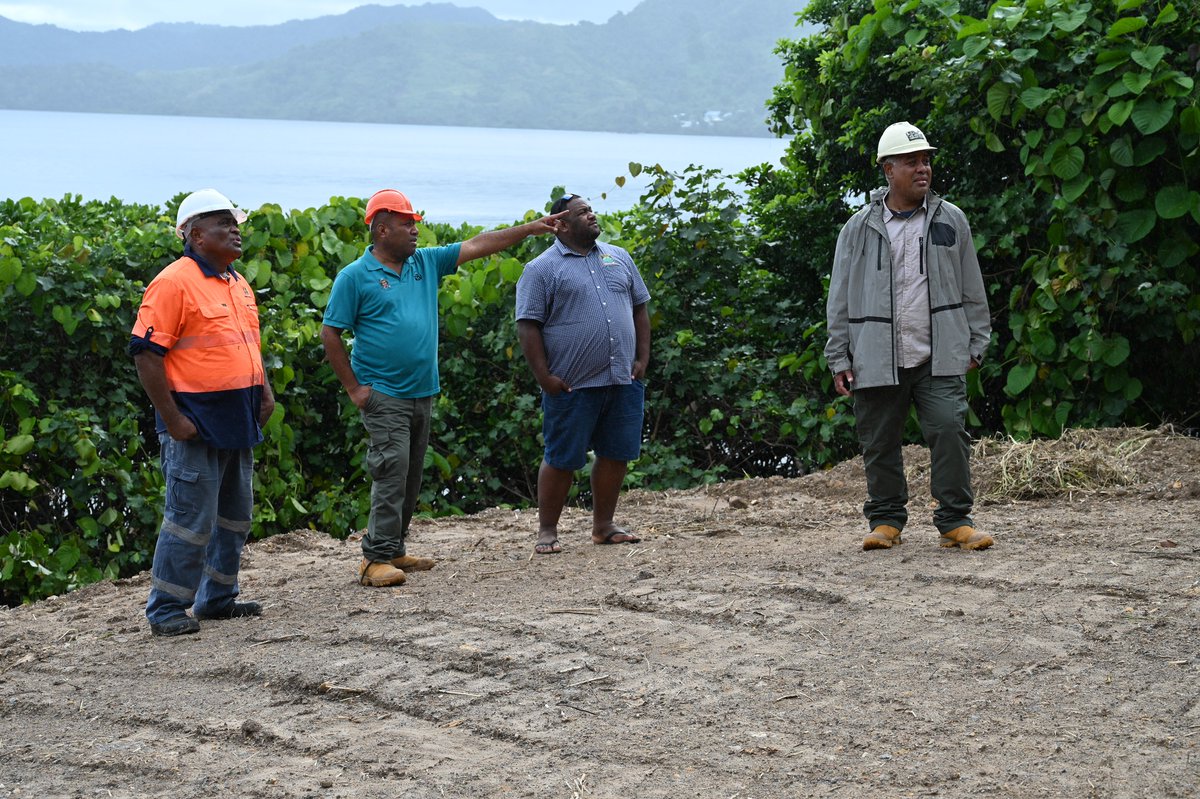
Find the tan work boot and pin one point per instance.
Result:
(411, 564)
(379, 575)
(966, 537)
(882, 537)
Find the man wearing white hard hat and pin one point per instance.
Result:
(197, 350)
(908, 318)
(388, 299)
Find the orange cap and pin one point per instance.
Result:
(390, 200)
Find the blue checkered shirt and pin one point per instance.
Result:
(585, 306)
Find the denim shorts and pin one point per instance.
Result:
(606, 420)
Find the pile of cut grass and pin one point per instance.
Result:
(1082, 461)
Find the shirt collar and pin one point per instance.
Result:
(205, 267)
(375, 263)
(565, 250)
(889, 214)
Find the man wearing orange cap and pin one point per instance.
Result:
(388, 299)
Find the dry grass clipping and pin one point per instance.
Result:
(1082, 461)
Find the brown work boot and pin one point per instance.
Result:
(882, 537)
(411, 564)
(966, 537)
(379, 575)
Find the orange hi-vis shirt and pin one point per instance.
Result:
(208, 327)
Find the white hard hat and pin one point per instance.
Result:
(203, 202)
(900, 138)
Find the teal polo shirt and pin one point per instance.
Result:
(394, 319)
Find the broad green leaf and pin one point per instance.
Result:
(1110, 58)
(249, 269)
(1069, 21)
(1148, 57)
(27, 283)
(10, 270)
(1147, 150)
(304, 226)
(974, 28)
(296, 504)
(1134, 225)
(1087, 346)
(1020, 377)
(1172, 202)
(997, 98)
(19, 445)
(1150, 115)
(993, 143)
(1120, 111)
(1126, 26)
(1115, 351)
(1056, 117)
(1068, 162)
(18, 481)
(510, 270)
(1136, 82)
(66, 557)
(1167, 15)
(1074, 188)
(1023, 54)
(975, 45)
(1034, 96)
(330, 242)
(1011, 16)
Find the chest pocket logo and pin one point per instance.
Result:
(942, 235)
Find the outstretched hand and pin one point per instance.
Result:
(547, 224)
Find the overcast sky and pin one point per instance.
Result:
(93, 15)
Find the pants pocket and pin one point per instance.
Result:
(183, 489)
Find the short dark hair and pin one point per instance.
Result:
(561, 203)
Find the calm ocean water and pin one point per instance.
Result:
(485, 176)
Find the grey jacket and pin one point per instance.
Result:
(859, 310)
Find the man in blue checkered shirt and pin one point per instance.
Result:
(585, 331)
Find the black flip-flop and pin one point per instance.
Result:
(634, 538)
(547, 548)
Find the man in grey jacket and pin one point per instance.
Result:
(908, 317)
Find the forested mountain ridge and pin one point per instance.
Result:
(666, 66)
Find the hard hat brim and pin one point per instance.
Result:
(920, 148)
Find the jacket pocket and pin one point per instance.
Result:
(942, 235)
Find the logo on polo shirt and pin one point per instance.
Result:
(608, 260)
(384, 284)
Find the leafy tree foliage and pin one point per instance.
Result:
(1068, 132)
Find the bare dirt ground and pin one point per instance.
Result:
(746, 648)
